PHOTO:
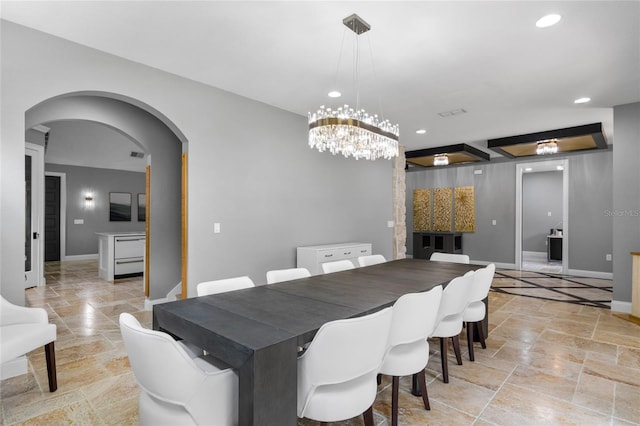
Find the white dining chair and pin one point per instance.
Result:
(224, 285)
(414, 318)
(337, 266)
(177, 389)
(337, 373)
(449, 257)
(280, 275)
(449, 322)
(476, 310)
(23, 330)
(372, 259)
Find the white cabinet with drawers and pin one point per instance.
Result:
(120, 254)
(312, 257)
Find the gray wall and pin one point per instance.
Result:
(82, 239)
(250, 167)
(625, 209)
(590, 187)
(541, 194)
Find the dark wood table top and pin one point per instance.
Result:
(234, 326)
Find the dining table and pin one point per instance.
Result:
(258, 331)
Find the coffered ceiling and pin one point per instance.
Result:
(487, 58)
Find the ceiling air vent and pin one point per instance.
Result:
(135, 154)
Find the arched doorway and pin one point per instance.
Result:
(165, 147)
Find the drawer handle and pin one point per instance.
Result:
(328, 255)
(347, 253)
(122, 262)
(129, 239)
(363, 251)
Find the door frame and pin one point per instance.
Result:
(540, 166)
(63, 211)
(36, 276)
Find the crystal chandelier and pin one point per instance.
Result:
(548, 146)
(440, 160)
(353, 132)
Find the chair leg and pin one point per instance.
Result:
(379, 379)
(394, 400)
(423, 386)
(470, 340)
(481, 334)
(368, 416)
(443, 358)
(50, 355)
(456, 348)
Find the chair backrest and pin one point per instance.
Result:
(222, 286)
(372, 259)
(337, 266)
(345, 352)
(455, 296)
(11, 314)
(449, 257)
(482, 279)
(414, 317)
(160, 366)
(280, 275)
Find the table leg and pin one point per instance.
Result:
(268, 386)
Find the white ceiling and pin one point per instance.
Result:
(429, 57)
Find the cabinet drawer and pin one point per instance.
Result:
(132, 265)
(340, 253)
(128, 247)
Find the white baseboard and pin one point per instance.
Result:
(171, 297)
(535, 254)
(81, 257)
(498, 264)
(590, 274)
(624, 307)
(18, 367)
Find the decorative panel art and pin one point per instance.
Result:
(422, 209)
(464, 209)
(442, 209)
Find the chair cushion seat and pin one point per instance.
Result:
(19, 339)
(404, 360)
(449, 326)
(474, 312)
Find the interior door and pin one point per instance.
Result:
(34, 212)
(52, 219)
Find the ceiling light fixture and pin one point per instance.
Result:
(548, 20)
(421, 131)
(351, 131)
(549, 146)
(334, 94)
(581, 100)
(441, 160)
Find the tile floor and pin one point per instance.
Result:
(547, 362)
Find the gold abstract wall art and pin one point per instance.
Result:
(442, 209)
(422, 209)
(464, 209)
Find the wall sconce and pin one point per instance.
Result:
(88, 200)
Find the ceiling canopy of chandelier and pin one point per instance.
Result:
(353, 132)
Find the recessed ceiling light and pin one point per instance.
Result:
(421, 131)
(559, 168)
(548, 20)
(528, 169)
(581, 100)
(334, 94)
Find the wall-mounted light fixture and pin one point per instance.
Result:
(88, 200)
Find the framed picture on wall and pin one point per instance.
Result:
(120, 206)
(142, 207)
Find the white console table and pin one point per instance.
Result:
(312, 257)
(120, 253)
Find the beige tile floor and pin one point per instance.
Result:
(547, 362)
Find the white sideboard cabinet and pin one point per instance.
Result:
(312, 257)
(120, 253)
